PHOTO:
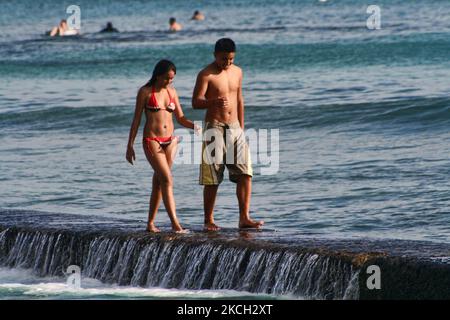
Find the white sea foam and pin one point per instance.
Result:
(22, 283)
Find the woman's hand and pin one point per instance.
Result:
(197, 130)
(130, 154)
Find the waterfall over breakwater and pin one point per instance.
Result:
(217, 261)
(180, 264)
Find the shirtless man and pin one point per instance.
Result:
(219, 90)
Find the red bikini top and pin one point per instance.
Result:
(153, 103)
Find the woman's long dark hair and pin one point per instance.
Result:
(162, 67)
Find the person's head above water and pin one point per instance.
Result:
(60, 29)
(109, 28)
(224, 52)
(163, 74)
(174, 25)
(198, 15)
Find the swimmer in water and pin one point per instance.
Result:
(198, 16)
(60, 29)
(109, 28)
(174, 25)
(63, 30)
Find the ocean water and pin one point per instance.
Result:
(363, 115)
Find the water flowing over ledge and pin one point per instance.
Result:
(267, 262)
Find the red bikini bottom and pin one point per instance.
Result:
(163, 141)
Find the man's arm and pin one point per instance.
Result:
(240, 103)
(199, 100)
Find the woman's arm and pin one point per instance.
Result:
(54, 31)
(140, 103)
(179, 115)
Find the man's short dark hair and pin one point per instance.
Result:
(225, 45)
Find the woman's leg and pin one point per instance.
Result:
(160, 164)
(170, 151)
(156, 195)
(155, 199)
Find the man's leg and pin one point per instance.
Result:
(209, 199)
(211, 170)
(244, 192)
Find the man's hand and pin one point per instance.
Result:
(221, 102)
(130, 154)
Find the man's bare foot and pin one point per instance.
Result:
(211, 226)
(151, 228)
(250, 224)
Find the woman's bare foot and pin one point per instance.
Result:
(182, 231)
(250, 224)
(211, 226)
(152, 228)
(177, 228)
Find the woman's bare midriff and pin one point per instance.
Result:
(158, 124)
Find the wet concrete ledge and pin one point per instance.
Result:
(409, 269)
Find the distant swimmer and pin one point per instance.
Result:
(109, 28)
(63, 30)
(59, 30)
(198, 16)
(174, 25)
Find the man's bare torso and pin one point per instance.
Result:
(223, 83)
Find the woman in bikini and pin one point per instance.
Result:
(159, 100)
